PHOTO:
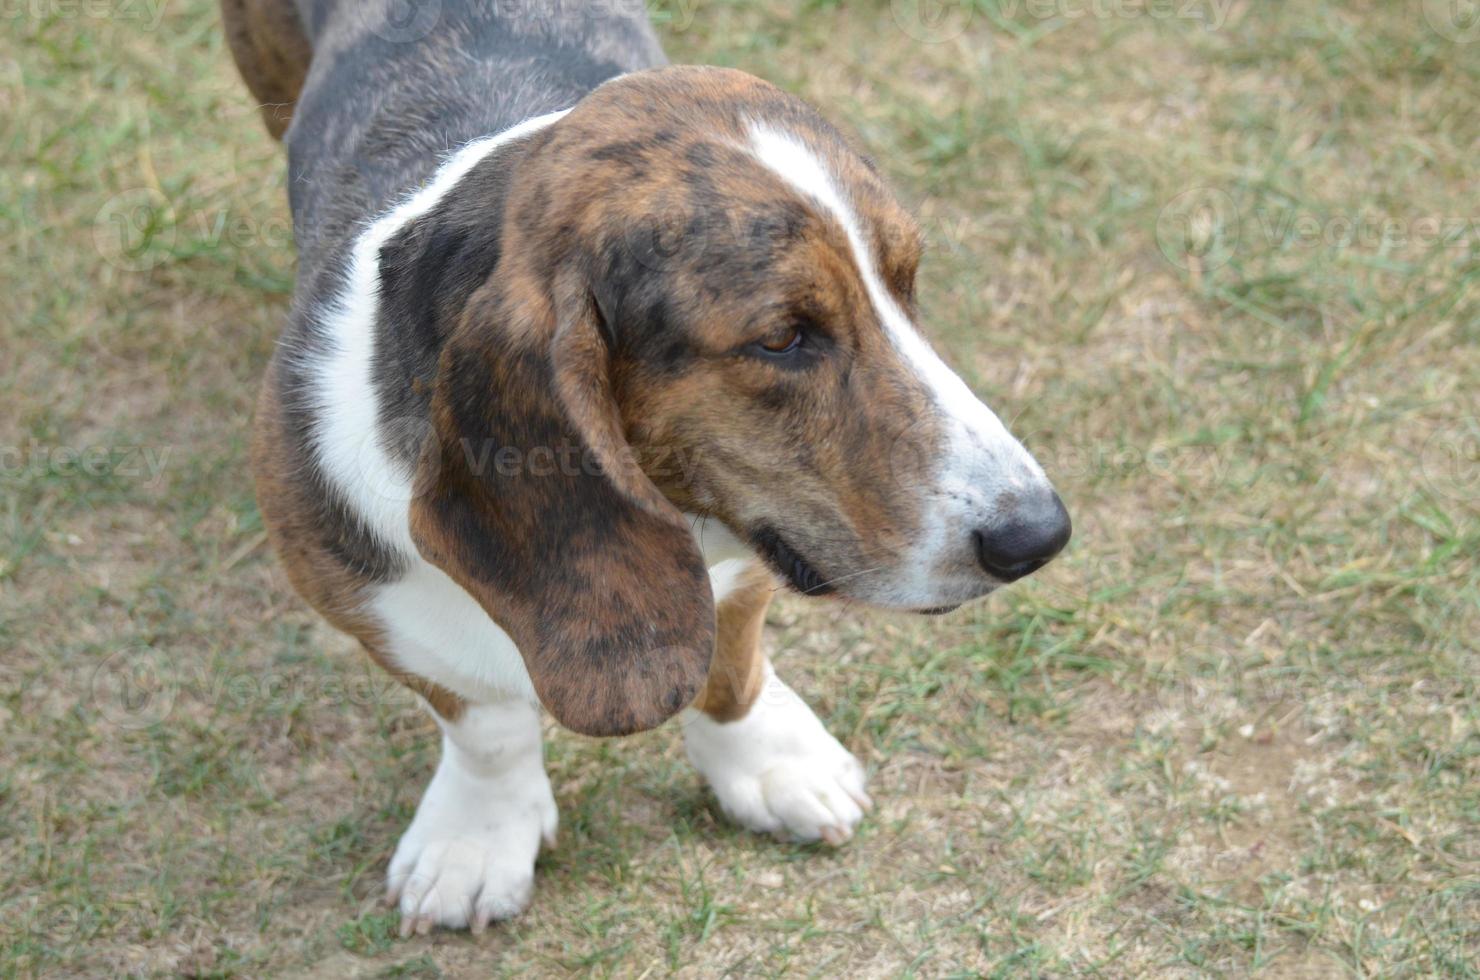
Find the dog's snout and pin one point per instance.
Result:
(1035, 531)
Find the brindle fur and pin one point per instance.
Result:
(738, 672)
(553, 299)
(324, 571)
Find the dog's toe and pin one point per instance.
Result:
(811, 801)
(778, 771)
(460, 883)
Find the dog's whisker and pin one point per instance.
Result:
(833, 581)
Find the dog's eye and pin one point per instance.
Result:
(783, 343)
(794, 344)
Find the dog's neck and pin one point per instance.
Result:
(387, 104)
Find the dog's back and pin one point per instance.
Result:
(379, 92)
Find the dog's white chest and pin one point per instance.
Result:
(437, 630)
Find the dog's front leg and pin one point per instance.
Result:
(469, 854)
(771, 764)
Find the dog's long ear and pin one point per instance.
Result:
(529, 497)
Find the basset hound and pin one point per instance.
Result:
(588, 355)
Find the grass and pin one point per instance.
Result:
(1221, 273)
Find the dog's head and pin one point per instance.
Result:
(704, 303)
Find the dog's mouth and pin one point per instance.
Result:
(792, 566)
(802, 577)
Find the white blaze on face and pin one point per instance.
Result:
(981, 461)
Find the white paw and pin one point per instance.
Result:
(778, 771)
(468, 857)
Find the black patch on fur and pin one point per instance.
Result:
(428, 271)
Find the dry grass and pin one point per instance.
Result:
(1232, 732)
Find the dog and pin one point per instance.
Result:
(587, 354)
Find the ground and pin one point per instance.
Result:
(1217, 262)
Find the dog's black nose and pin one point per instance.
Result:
(1035, 531)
